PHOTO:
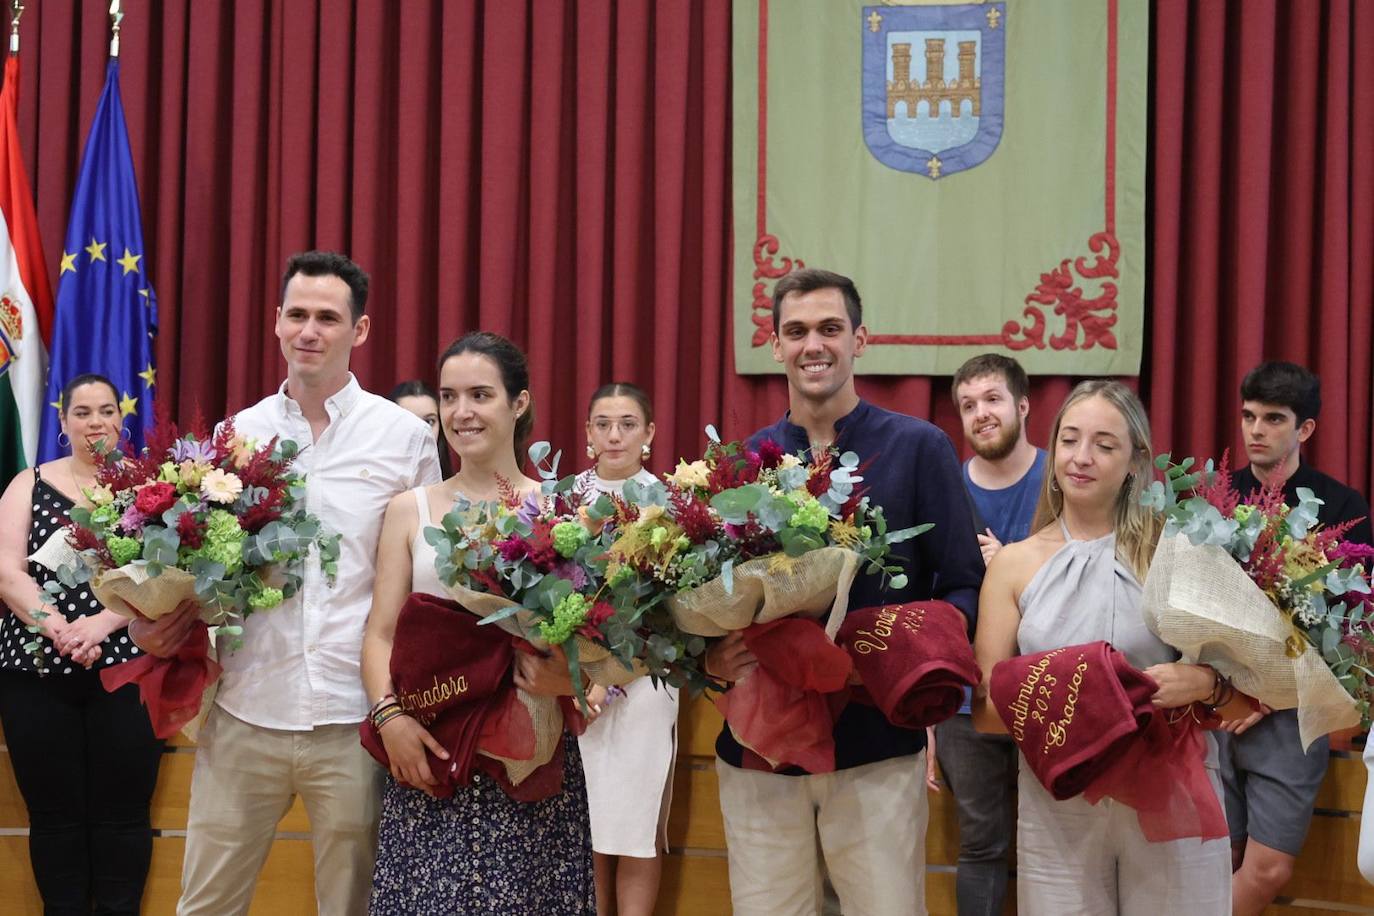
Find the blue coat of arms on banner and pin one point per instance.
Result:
(933, 85)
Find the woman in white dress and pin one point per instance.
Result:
(1077, 579)
(628, 752)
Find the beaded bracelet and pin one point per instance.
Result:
(391, 712)
(381, 704)
(384, 712)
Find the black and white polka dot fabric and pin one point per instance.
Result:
(49, 513)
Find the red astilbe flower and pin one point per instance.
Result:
(819, 481)
(597, 614)
(692, 515)
(507, 493)
(487, 580)
(223, 441)
(1219, 490)
(127, 474)
(260, 470)
(266, 510)
(158, 440)
(734, 467)
(1265, 565)
(85, 539)
(625, 513)
(539, 546)
(191, 532)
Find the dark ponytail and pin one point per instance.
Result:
(515, 376)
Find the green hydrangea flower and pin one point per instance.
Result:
(169, 474)
(657, 537)
(810, 514)
(568, 615)
(123, 550)
(1243, 512)
(104, 516)
(266, 598)
(223, 541)
(567, 537)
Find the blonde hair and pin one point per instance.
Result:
(1136, 527)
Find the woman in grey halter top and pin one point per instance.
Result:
(1077, 579)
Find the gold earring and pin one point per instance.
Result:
(591, 452)
(645, 451)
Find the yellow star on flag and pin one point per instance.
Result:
(57, 403)
(129, 262)
(96, 250)
(143, 293)
(68, 263)
(149, 375)
(127, 405)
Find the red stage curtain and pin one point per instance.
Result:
(559, 171)
(555, 171)
(1263, 216)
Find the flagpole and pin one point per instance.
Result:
(116, 14)
(16, 10)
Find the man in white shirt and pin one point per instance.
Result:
(286, 716)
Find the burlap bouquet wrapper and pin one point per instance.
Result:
(131, 592)
(770, 588)
(597, 663)
(1200, 601)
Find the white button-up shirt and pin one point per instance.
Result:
(299, 663)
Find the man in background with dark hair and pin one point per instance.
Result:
(868, 818)
(1271, 784)
(285, 719)
(1004, 478)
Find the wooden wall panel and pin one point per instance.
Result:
(696, 873)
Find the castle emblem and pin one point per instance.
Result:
(933, 85)
(11, 331)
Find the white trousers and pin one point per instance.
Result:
(1073, 857)
(869, 824)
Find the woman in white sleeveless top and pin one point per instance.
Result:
(1078, 579)
(480, 851)
(628, 752)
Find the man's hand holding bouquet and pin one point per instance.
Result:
(196, 531)
(757, 546)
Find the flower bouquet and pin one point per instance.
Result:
(216, 520)
(535, 567)
(755, 540)
(1264, 594)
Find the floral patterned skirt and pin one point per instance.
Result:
(483, 852)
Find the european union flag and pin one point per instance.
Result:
(106, 313)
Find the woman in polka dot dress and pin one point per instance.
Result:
(86, 761)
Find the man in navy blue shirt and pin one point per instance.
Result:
(868, 818)
(1004, 478)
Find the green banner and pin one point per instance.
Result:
(978, 169)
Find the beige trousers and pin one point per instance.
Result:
(245, 780)
(1073, 857)
(869, 824)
